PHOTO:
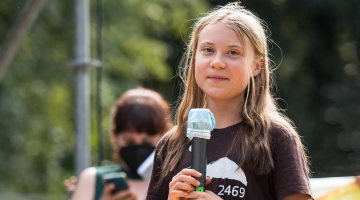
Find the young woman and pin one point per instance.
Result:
(140, 117)
(254, 151)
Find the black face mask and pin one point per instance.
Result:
(135, 155)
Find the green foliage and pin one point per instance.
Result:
(141, 43)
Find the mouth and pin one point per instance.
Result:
(217, 78)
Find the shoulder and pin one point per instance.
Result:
(165, 138)
(88, 174)
(280, 132)
(86, 184)
(285, 141)
(283, 136)
(162, 146)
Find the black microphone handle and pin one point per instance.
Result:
(198, 160)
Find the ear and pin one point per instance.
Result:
(259, 65)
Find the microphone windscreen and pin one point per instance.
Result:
(200, 119)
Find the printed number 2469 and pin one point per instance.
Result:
(234, 191)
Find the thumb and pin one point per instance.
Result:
(208, 180)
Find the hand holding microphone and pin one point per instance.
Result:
(200, 123)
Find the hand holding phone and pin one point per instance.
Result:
(107, 193)
(118, 179)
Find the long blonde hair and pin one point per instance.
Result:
(260, 112)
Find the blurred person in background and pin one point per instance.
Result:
(140, 118)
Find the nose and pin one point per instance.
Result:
(218, 62)
(140, 138)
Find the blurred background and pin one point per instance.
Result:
(316, 51)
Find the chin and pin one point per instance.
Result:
(215, 95)
(222, 95)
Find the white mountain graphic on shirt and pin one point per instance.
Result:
(225, 168)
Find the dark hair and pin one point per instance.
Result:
(141, 110)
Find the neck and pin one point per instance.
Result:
(226, 112)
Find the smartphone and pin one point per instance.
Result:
(119, 179)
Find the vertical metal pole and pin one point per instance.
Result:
(98, 80)
(82, 55)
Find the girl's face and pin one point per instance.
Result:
(221, 69)
(129, 138)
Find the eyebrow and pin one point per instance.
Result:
(237, 46)
(232, 45)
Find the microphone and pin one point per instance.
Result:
(200, 122)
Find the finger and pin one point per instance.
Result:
(197, 195)
(66, 182)
(186, 187)
(130, 198)
(212, 195)
(185, 179)
(175, 194)
(208, 180)
(133, 196)
(73, 179)
(109, 187)
(209, 192)
(203, 195)
(189, 172)
(187, 176)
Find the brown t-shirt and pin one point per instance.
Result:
(228, 182)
